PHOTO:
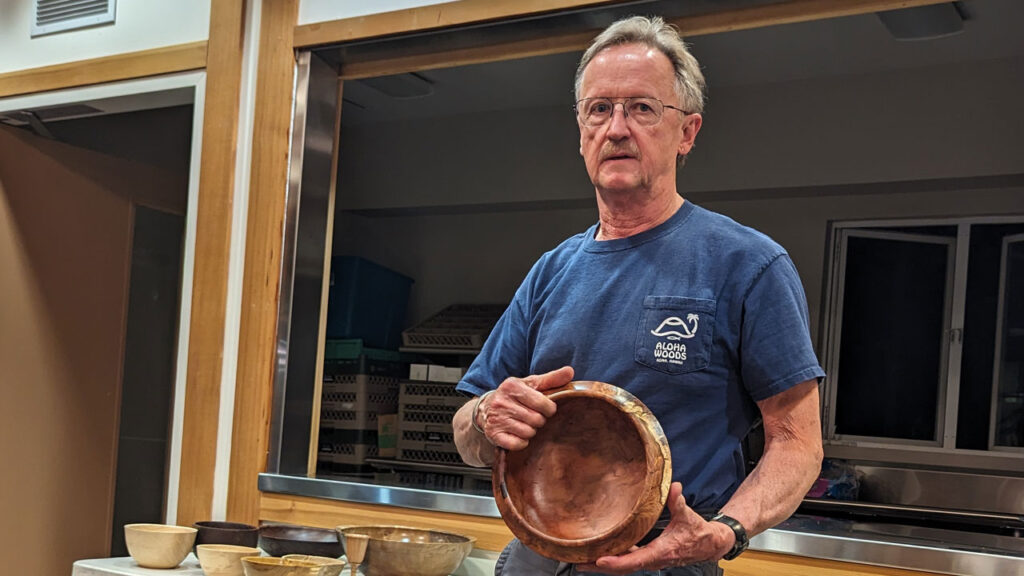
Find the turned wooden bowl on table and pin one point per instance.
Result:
(158, 545)
(219, 532)
(224, 559)
(404, 551)
(283, 539)
(328, 566)
(264, 566)
(594, 479)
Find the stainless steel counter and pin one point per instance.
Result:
(894, 545)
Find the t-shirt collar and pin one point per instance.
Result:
(675, 221)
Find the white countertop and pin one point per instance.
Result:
(479, 563)
(125, 566)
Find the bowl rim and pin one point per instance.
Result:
(226, 548)
(319, 560)
(264, 528)
(225, 525)
(468, 539)
(646, 425)
(153, 528)
(277, 561)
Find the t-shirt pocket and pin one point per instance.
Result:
(675, 333)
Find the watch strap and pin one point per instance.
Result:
(741, 535)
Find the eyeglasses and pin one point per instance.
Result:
(644, 110)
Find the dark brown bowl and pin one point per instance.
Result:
(281, 539)
(594, 479)
(234, 533)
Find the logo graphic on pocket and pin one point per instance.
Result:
(689, 327)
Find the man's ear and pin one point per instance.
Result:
(691, 126)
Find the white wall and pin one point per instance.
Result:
(138, 25)
(951, 122)
(311, 11)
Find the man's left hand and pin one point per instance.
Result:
(688, 539)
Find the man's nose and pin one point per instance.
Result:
(617, 126)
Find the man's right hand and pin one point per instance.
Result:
(511, 416)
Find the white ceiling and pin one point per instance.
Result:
(847, 46)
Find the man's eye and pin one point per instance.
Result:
(642, 107)
(600, 108)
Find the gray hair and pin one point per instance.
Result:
(655, 33)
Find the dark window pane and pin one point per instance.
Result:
(891, 343)
(979, 343)
(1009, 429)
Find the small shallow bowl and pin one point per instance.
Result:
(328, 566)
(158, 545)
(283, 539)
(403, 551)
(594, 479)
(214, 532)
(263, 566)
(223, 559)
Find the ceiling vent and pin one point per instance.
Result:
(64, 15)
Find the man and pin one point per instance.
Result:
(702, 319)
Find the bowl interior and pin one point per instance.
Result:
(156, 529)
(406, 534)
(582, 474)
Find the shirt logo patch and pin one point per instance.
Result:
(689, 327)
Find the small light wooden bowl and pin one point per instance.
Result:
(158, 545)
(223, 559)
(594, 479)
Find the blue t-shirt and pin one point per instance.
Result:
(698, 317)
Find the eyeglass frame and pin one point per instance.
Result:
(616, 101)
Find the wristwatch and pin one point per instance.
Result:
(741, 535)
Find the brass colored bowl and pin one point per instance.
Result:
(404, 551)
(271, 566)
(594, 479)
(328, 566)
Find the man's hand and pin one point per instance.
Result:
(511, 416)
(687, 539)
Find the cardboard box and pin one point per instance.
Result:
(445, 374)
(418, 371)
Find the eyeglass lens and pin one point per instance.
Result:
(597, 111)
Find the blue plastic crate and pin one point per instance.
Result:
(367, 301)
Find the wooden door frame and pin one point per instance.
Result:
(197, 435)
(196, 80)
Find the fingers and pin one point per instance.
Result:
(646, 558)
(516, 396)
(513, 414)
(552, 379)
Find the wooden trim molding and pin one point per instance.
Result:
(213, 247)
(178, 58)
(427, 18)
(261, 290)
(490, 533)
(790, 12)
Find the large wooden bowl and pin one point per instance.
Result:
(594, 479)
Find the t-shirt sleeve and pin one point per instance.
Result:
(776, 351)
(504, 353)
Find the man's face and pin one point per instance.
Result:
(620, 154)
